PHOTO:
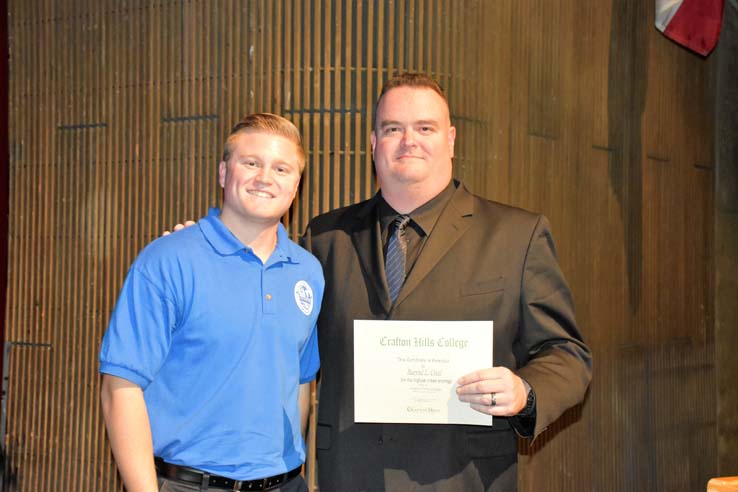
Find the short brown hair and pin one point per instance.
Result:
(417, 80)
(412, 79)
(266, 123)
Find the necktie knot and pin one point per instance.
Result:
(394, 263)
(400, 223)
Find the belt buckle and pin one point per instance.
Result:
(252, 484)
(272, 482)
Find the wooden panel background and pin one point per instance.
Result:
(575, 108)
(726, 239)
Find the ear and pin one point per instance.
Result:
(373, 140)
(451, 139)
(222, 171)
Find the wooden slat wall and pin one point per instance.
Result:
(574, 108)
(726, 239)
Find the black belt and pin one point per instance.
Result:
(185, 474)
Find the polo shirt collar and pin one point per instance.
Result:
(225, 243)
(285, 249)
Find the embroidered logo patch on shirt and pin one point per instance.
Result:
(304, 297)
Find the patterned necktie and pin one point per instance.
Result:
(394, 263)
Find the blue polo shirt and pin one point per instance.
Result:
(219, 343)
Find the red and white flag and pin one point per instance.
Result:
(694, 24)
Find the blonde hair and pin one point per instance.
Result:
(266, 123)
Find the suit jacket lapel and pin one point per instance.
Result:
(450, 227)
(366, 238)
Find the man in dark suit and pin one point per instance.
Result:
(462, 258)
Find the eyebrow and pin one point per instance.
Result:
(387, 123)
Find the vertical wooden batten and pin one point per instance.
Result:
(577, 109)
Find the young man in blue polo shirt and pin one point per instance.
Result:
(212, 344)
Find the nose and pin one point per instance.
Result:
(264, 175)
(408, 138)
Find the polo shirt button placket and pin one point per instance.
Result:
(270, 287)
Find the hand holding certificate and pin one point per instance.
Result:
(406, 371)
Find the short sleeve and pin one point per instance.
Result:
(138, 337)
(309, 357)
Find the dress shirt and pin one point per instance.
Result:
(422, 221)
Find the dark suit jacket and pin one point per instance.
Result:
(483, 260)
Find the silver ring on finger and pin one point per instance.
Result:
(494, 399)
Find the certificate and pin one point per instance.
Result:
(406, 371)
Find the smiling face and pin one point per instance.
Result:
(259, 179)
(413, 141)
